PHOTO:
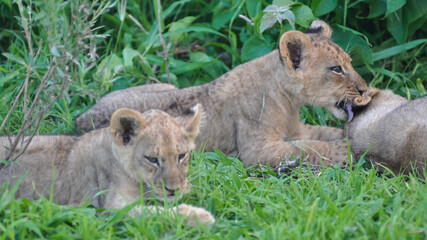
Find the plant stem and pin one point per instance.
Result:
(165, 50)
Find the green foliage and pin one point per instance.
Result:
(207, 39)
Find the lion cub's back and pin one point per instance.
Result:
(398, 138)
(410, 120)
(43, 151)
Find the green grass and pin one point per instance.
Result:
(206, 39)
(247, 203)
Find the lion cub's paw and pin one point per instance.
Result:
(196, 215)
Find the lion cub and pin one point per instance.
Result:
(152, 147)
(253, 110)
(395, 128)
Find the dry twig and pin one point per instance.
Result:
(165, 50)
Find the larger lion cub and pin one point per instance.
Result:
(151, 147)
(253, 110)
(391, 131)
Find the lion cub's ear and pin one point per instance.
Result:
(293, 46)
(191, 119)
(125, 125)
(321, 28)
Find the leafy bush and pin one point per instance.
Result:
(203, 41)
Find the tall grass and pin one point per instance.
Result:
(247, 203)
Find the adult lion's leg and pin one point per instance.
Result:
(260, 144)
(323, 133)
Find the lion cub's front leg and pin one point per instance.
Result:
(263, 144)
(193, 215)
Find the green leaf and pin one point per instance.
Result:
(283, 3)
(121, 83)
(195, 29)
(290, 17)
(392, 51)
(172, 7)
(253, 7)
(420, 86)
(221, 19)
(397, 27)
(303, 15)
(255, 47)
(394, 5)
(376, 8)
(128, 55)
(356, 33)
(8, 3)
(187, 67)
(415, 9)
(109, 66)
(146, 67)
(180, 24)
(33, 227)
(322, 7)
(353, 44)
(203, 57)
(14, 58)
(267, 21)
(164, 78)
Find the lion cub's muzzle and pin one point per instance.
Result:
(169, 194)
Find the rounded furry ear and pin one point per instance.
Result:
(125, 125)
(292, 46)
(321, 28)
(190, 120)
(366, 97)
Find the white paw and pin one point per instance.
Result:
(196, 215)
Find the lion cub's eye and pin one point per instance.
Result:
(152, 160)
(337, 69)
(181, 156)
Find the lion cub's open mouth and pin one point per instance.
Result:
(347, 108)
(358, 103)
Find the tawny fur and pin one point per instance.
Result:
(253, 110)
(113, 159)
(394, 129)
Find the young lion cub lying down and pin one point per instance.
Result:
(152, 147)
(395, 127)
(253, 110)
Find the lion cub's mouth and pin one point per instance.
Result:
(358, 104)
(347, 108)
(171, 196)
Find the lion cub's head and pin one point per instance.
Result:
(155, 147)
(320, 71)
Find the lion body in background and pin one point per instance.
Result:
(393, 129)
